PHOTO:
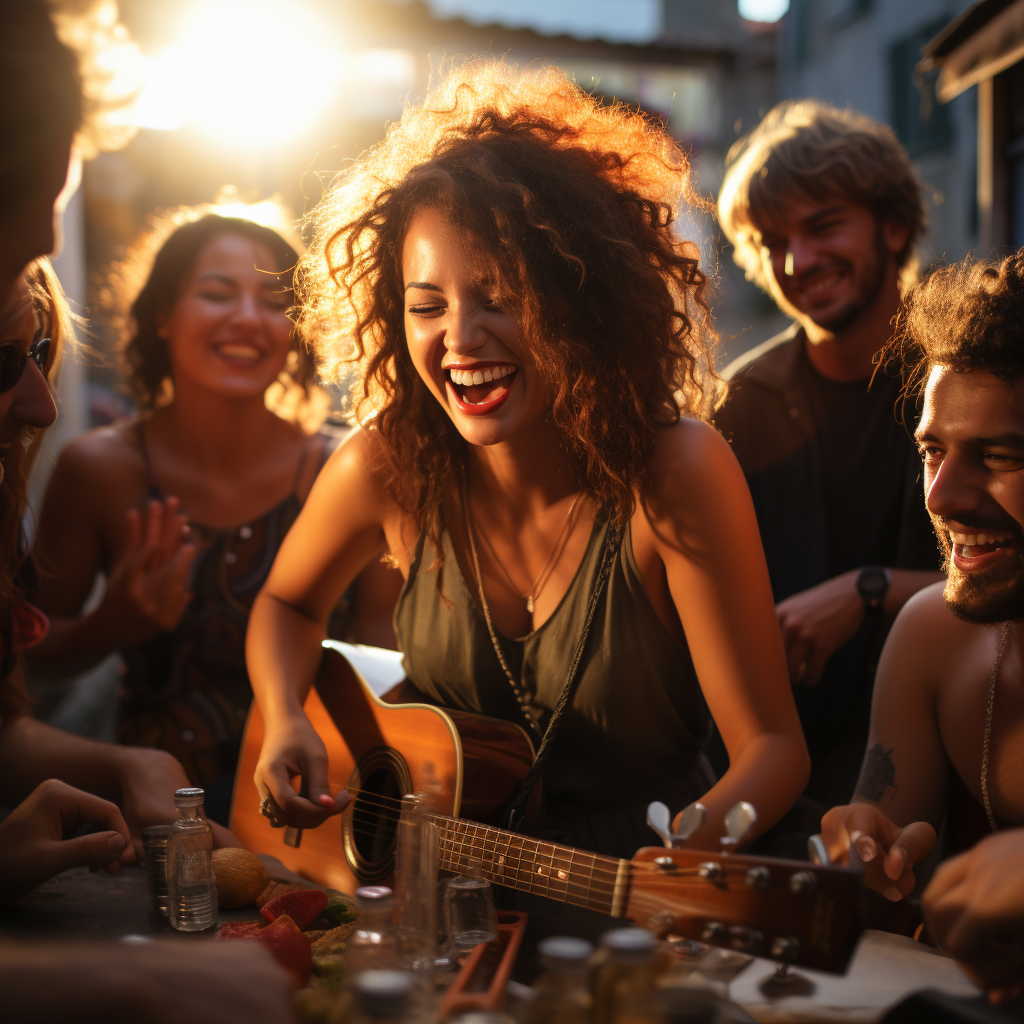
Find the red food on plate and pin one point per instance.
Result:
(290, 948)
(238, 929)
(303, 907)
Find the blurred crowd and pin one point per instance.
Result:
(797, 581)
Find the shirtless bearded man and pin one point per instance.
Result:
(947, 729)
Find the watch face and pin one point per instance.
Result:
(872, 584)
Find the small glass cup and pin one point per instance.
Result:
(469, 912)
(154, 849)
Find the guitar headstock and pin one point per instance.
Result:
(788, 910)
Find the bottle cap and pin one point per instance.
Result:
(382, 993)
(372, 893)
(188, 797)
(629, 945)
(563, 953)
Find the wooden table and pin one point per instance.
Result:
(83, 904)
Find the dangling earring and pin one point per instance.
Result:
(1, 472)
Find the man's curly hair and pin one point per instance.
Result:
(966, 316)
(574, 205)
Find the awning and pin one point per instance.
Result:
(982, 41)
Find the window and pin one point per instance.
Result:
(921, 122)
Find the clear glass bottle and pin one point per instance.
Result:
(383, 997)
(373, 946)
(191, 888)
(625, 985)
(560, 995)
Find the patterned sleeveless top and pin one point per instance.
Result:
(187, 691)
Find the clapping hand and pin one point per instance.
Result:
(147, 591)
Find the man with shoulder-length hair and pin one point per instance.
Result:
(824, 210)
(947, 720)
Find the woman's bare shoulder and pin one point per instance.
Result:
(690, 459)
(105, 452)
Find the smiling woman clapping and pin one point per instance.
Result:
(183, 508)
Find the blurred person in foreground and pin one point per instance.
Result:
(525, 460)
(974, 909)
(183, 508)
(41, 108)
(63, 784)
(947, 721)
(824, 210)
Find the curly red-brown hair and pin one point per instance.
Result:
(574, 204)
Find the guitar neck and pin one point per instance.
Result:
(530, 865)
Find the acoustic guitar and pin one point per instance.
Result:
(793, 911)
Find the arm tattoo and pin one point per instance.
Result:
(877, 775)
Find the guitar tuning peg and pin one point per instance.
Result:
(738, 822)
(659, 819)
(690, 820)
(816, 851)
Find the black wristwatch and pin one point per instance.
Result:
(872, 585)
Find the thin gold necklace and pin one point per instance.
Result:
(988, 729)
(541, 581)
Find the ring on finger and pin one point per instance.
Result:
(269, 811)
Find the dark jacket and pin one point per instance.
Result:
(767, 419)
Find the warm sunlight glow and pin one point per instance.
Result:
(254, 73)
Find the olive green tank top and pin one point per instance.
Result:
(637, 721)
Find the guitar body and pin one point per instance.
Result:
(470, 767)
(469, 764)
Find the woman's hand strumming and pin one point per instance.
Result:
(292, 748)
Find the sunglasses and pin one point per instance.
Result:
(13, 361)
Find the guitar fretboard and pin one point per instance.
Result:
(530, 865)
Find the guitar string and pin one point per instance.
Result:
(657, 882)
(581, 877)
(461, 839)
(592, 876)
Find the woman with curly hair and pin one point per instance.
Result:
(183, 508)
(535, 349)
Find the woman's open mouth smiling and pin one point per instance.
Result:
(480, 388)
(239, 353)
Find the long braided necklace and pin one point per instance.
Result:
(988, 729)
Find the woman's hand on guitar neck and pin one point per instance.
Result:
(290, 749)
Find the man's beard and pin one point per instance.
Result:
(982, 597)
(874, 281)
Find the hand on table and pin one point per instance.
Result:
(147, 591)
(888, 853)
(294, 749)
(148, 779)
(32, 843)
(815, 623)
(974, 908)
(162, 982)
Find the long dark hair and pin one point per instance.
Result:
(147, 285)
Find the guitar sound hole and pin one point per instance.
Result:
(375, 816)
